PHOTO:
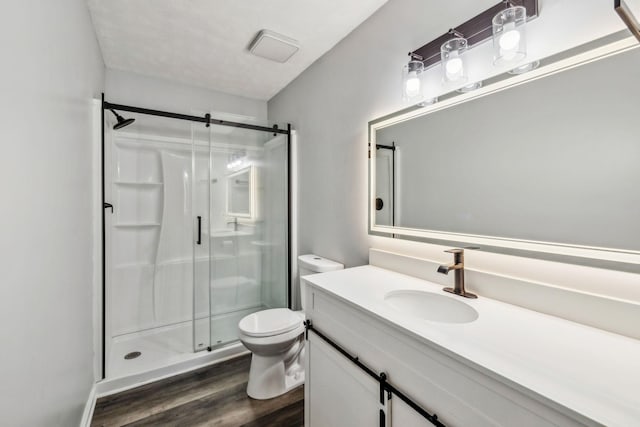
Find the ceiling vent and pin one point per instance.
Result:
(273, 46)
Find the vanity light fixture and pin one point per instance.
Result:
(504, 22)
(411, 79)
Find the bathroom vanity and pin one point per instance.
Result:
(478, 362)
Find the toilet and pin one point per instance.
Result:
(276, 339)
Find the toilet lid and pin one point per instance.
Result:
(270, 322)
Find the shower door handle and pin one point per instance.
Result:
(199, 242)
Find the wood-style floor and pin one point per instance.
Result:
(211, 396)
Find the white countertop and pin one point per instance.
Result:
(590, 371)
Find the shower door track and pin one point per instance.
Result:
(207, 120)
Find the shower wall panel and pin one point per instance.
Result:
(137, 196)
(152, 234)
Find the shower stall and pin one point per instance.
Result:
(196, 233)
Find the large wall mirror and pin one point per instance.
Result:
(546, 165)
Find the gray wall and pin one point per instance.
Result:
(151, 92)
(330, 105)
(51, 70)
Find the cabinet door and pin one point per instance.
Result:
(338, 393)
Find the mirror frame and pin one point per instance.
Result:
(611, 258)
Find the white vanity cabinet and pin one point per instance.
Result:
(333, 378)
(338, 393)
(460, 391)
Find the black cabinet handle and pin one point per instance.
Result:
(199, 242)
(108, 206)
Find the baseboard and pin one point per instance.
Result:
(89, 407)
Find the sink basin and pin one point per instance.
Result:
(431, 306)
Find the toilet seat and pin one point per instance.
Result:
(268, 323)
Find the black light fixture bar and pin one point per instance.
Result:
(201, 119)
(475, 30)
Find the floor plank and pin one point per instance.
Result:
(288, 416)
(211, 396)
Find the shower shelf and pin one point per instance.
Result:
(139, 183)
(139, 225)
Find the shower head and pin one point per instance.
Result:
(122, 122)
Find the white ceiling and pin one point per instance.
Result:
(204, 42)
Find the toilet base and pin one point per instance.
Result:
(272, 376)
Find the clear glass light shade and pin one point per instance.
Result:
(525, 68)
(412, 81)
(428, 101)
(470, 87)
(454, 69)
(509, 41)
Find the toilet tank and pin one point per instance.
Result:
(312, 264)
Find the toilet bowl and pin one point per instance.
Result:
(276, 339)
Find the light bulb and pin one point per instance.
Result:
(412, 86)
(510, 40)
(454, 68)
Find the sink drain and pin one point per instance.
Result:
(132, 355)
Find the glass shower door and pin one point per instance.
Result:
(248, 227)
(201, 180)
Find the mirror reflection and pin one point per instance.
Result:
(240, 193)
